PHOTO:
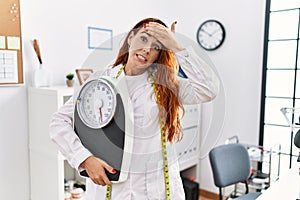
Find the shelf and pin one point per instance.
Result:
(259, 155)
(258, 186)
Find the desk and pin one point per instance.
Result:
(287, 187)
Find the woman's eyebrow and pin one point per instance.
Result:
(147, 33)
(153, 37)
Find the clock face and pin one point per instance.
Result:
(96, 103)
(211, 35)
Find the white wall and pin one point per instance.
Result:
(61, 27)
(239, 63)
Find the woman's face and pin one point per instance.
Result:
(144, 49)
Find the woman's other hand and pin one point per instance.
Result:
(95, 167)
(164, 35)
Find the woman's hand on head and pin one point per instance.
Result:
(95, 167)
(164, 35)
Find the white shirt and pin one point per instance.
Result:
(146, 178)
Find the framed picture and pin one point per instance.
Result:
(83, 74)
(100, 38)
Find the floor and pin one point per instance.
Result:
(204, 198)
(205, 195)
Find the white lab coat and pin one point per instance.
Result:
(146, 178)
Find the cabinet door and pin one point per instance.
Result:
(46, 163)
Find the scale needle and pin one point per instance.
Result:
(100, 114)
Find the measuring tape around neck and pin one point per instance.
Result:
(163, 142)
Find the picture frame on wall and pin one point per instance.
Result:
(83, 74)
(100, 38)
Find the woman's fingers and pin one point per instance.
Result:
(106, 181)
(164, 35)
(95, 168)
(173, 26)
(99, 181)
(109, 168)
(158, 31)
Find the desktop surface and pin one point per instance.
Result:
(287, 187)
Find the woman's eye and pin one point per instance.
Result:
(144, 39)
(156, 47)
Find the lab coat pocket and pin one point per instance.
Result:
(155, 185)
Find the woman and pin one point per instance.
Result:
(149, 59)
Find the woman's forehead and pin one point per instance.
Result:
(144, 32)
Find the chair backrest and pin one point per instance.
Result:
(230, 164)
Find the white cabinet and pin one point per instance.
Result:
(47, 165)
(188, 149)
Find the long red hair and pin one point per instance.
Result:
(165, 75)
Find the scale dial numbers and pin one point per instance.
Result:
(97, 103)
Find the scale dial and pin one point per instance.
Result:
(96, 103)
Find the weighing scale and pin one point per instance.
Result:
(103, 120)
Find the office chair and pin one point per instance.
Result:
(230, 164)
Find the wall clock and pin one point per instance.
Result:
(211, 35)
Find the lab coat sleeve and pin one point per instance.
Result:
(202, 84)
(63, 135)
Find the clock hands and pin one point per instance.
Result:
(214, 32)
(210, 34)
(204, 31)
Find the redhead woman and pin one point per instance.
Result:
(149, 59)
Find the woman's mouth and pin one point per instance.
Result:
(141, 58)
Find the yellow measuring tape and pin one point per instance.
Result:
(108, 192)
(163, 143)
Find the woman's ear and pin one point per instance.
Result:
(130, 38)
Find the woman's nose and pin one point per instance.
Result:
(146, 49)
